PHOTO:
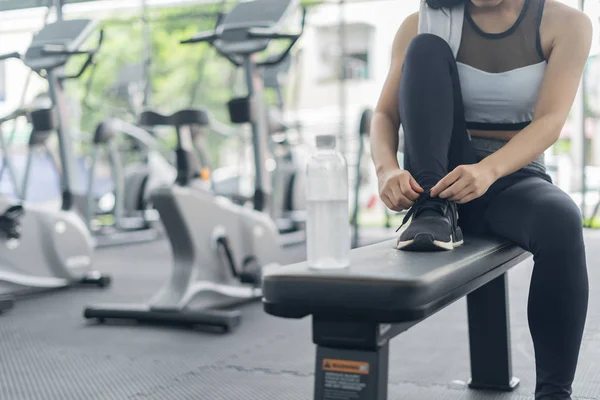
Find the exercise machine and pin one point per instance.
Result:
(221, 183)
(289, 151)
(133, 218)
(7, 164)
(113, 215)
(242, 34)
(43, 248)
(363, 134)
(216, 245)
(285, 145)
(219, 248)
(357, 311)
(123, 214)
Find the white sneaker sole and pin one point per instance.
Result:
(425, 241)
(430, 244)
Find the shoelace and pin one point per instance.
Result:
(426, 202)
(9, 222)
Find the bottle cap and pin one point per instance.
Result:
(326, 141)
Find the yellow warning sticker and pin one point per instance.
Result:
(345, 366)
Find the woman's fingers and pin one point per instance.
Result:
(463, 193)
(469, 197)
(388, 202)
(399, 199)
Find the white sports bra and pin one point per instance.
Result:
(500, 74)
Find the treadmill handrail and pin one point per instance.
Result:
(207, 36)
(266, 33)
(261, 33)
(10, 55)
(60, 50)
(271, 33)
(20, 112)
(253, 33)
(51, 49)
(41, 48)
(140, 135)
(222, 129)
(210, 37)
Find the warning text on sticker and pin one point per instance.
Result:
(349, 367)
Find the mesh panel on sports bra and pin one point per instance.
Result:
(517, 47)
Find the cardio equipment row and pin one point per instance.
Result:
(219, 247)
(43, 247)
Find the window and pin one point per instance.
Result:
(356, 63)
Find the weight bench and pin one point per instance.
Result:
(357, 311)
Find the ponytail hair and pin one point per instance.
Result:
(437, 4)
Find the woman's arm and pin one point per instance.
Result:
(386, 121)
(569, 52)
(397, 188)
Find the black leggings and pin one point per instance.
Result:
(524, 207)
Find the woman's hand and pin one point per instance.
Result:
(398, 189)
(465, 183)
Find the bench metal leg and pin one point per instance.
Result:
(489, 337)
(343, 374)
(353, 359)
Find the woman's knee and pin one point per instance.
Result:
(426, 49)
(558, 226)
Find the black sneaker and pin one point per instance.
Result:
(431, 224)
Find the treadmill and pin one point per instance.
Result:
(200, 292)
(245, 32)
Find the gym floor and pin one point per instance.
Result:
(49, 352)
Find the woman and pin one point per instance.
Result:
(477, 122)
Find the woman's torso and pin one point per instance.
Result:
(502, 60)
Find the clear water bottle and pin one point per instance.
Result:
(328, 227)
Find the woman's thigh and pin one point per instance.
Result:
(533, 213)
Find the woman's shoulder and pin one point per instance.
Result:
(412, 20)
(411, 23)
(558, 15)
(563, 24)
(409, 27)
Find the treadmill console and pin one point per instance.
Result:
(53, 46)
(233, 29)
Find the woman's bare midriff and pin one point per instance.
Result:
(502, 135)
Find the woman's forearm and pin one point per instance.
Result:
(525, 147)
(384, 143)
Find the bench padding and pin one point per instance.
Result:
(387, 285)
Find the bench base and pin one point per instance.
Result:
(352, 357)
(512, 385)
(363, 375)
(351, 374)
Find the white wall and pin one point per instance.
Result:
(319, 101)
(385, 17)
(12, 40)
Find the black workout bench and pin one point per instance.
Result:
(357, 311)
